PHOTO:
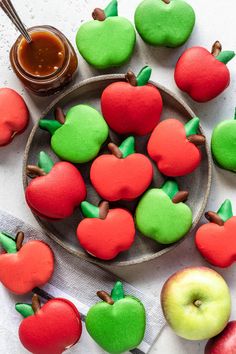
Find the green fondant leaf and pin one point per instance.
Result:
(128, 146)
(144, 76)
(170, 187)
(192, 126)
(226, 56)
(7, 243)
(112, 9)
(89, 210)
(25, 310)
(117, 292)
(225, 212)
(49, 125)
(45, 162)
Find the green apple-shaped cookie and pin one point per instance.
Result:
(164, 23)
(223, 144)
(117, 323)
(78, 136)
(107, 41)
(162, 215)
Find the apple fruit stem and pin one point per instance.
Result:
(117, 292)
(142, 79)
(125, 149)
(50, 125)
(91, 211)
(197, 303)
(103, 295)
(45, 162)
(25, 310)
(8, 243)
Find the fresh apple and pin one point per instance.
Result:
(134, 106)
(79, 136)
(122, 175)
(50, 329)
(105, 233)
(56, 190)
(162, 215)
(196, 303)
(14, 115)
(225, 342)
(174, 147)
(216, 241)
(165, 23)
(107, 41)
(24, 267)
(223, 145)
(203, 75)
(117, 323)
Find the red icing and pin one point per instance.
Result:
(105, 239)
(14, 115)
(131, 109)
(116, 179)
(52, 329)
(56, 195)
(30, 267)
(169, 147)
(217, 244)
(201, 75)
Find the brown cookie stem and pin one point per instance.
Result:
(103, 295)
(36, 303)
(197, 139)
(103, 210)
(166, 1)
(214, 217)
(180, 197)
(59, 115)
(115, 150)
(34, 171)
(99, 15)
(216, 49)
(19, 240)
(131, 78)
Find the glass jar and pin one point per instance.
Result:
(56, 60)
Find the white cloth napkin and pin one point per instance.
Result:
(76, 280)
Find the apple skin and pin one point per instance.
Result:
(55, 195)
(201, 75)
(126, 178)
(55, 327)
(169, 144)
(131, 109)
(32, 266)
(225, 342)
(185, 287)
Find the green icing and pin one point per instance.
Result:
(226, 56)
(117, 292)
(49, 125)
(89, 210)
(192, 126)
(161, 24)
(45, 162)
(225, 212)
(128, 146)
(170, 187)
(105, 44)
(119, 327)
(80, 138)
(8, 243)
(25, 310)
(157, 217)
(144, 76)
(223, 144)
(112, 9)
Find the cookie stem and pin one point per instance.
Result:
(112, 9)
(34, 171)
(50, 125)
(225, 212)
(144, 76)
(25, 310)
(36, 303)
(117, 292)
(225, 56)
(103, 295)
(216, 49)
(19, 240)
(45, 162)
(91, 211)
(166, 1)
(8, 243)
(125, 149)
(191, 128)
(170, 187)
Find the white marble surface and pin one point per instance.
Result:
(215, 20)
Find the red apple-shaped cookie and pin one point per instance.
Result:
(132, 107)
(24, 267)
(50, 329)
(56, 191)
(216, 241)
(122, 175)
(174, 147)
(105, 233)
(14, 115)
(203, 75)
